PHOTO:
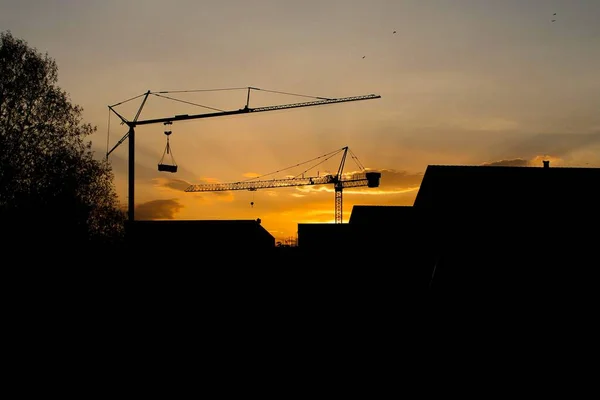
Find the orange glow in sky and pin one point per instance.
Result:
(461, 82)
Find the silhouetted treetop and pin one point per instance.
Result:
(49, 179)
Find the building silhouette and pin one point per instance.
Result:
(477, 230)
(483, 231)
(514, 241)
(201, 235)
(510, 228)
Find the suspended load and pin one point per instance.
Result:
(162, 166)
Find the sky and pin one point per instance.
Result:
(462, 82)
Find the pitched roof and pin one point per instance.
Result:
(200, 225)
(207, 230)
(459, 186)
(363, 214)
(199, 222)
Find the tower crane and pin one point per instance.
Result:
(132, 124)
(339, 181)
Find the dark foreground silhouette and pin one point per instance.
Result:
(502, 274)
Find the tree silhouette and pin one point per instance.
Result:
(52, 190)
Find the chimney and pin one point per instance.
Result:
(546, 164)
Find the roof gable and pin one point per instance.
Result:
(454, 186)
(209, 230)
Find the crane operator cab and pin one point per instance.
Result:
(162, 166)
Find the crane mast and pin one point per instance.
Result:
(338, 187)
(130, 135)
(339, 182)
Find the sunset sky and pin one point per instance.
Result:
(461, 82)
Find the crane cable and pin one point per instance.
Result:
(187, 102)
(108, 136)
(200, 90)
(108, 124)
(160, 94)
(316, 165)
(163, 92)
(293, 94)
(125, 101)
(168, 150)
(331, 154)
(239, 88)
(355, 158)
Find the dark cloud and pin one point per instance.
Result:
(515, 162)
(120, 166)
(399, 185)
(158, 209)
(222, 194)
(399, 180)
(181, 185)
(536, 161)
(396, 187)
(175, 184)
(391, 180)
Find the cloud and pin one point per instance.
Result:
(175, 184)
(145, 172)
(557, 145)
(180, 185)
(119, 166)
(515, 162)
(158, 209)
(536, 161)
(391, 181)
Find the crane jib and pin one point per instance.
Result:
(369, 179)
(247, 110)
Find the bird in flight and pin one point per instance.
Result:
(364, 56)
(394, 31)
